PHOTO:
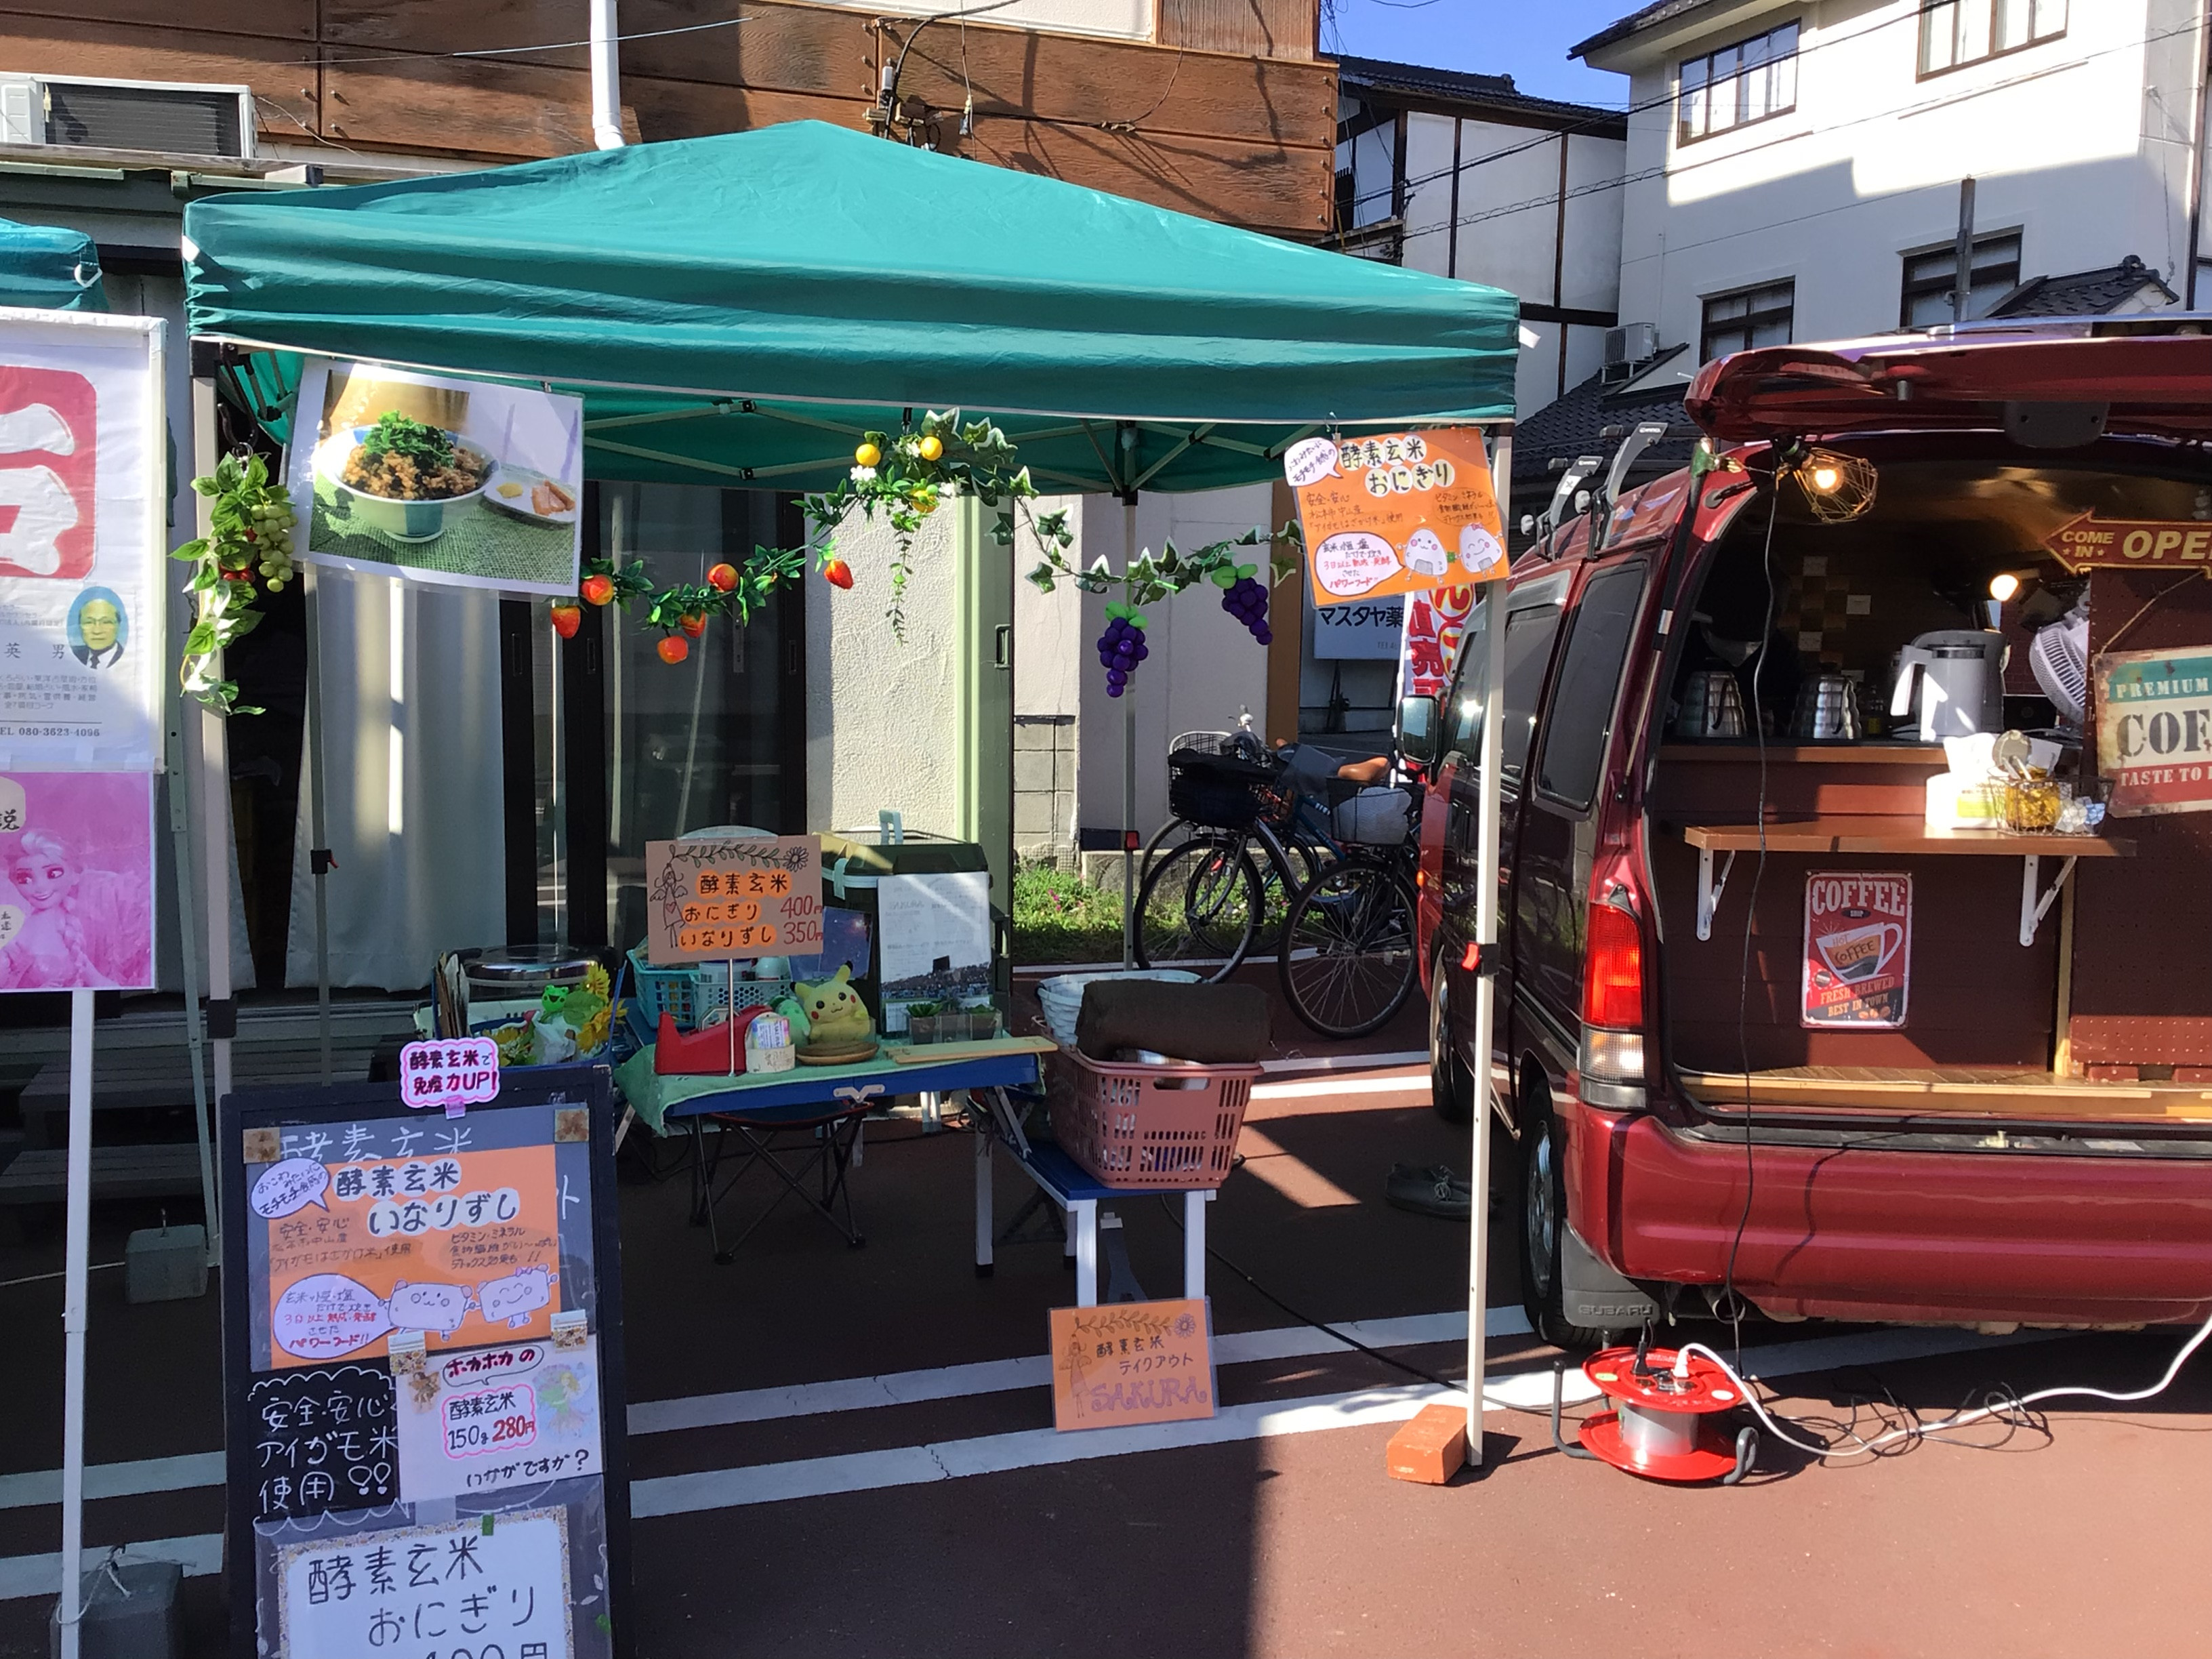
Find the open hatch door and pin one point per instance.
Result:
(2049, 386)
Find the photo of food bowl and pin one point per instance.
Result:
(402, 475)
(467, 483)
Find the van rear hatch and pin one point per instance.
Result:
(2053, 384)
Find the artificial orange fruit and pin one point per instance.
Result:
(598, 589)
(673, 649)
(723, 578)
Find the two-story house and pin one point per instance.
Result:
(1798, 170)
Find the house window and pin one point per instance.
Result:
(1956, 32)
(1930, 274)
(1750, 316)
(1738, 84)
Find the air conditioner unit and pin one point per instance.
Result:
(1632, 342)
(163, 118)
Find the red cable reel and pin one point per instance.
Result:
(1665, 1421)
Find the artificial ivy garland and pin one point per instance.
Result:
(249, 535)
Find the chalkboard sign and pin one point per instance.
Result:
(423, 1372)
(325, 1437)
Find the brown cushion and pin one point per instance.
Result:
(1210, 1025)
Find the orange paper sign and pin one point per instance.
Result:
(749, 897)
(1403, 512)
(1132, 1361)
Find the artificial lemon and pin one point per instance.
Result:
(866, 455)
(930, 448)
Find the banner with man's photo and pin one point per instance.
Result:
(466, 483)
(83, 519)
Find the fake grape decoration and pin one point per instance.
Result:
(1244, 598)
(1121, 647)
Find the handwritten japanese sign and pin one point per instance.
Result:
(324, 1439)
(715, 900)
(1132, 1361)
(1859, 950)
(490, 1418)
(436, 1592)
(454, 1072)
(1400, 513)
(2154, 730)
(374, 1229)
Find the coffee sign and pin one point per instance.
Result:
(2154, 730)
(1859, 950)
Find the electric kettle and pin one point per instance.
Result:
(1949, 685)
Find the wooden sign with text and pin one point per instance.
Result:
(746, 897)
(1132, 1361)
(2090, 543)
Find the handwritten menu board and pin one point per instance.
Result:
(1132, 1361)
(424, 1373)
(1397, 513)
(745, 897)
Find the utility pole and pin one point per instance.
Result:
(1962, 287)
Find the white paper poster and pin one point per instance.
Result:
(470, 484)
(464, 1588)
(933, 935)
(486, 1418)
(83, 481)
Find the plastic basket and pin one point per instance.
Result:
(692, 995)
(1162, 1128)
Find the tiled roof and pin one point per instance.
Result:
(1660, 12)
(2084, 294)
(1457, 86)
(1574, 424)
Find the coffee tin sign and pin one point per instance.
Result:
(1859, 950)
(2154, 730)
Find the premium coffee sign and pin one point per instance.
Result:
(2155, 731)
(1859, 950)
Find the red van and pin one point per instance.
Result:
(1767, 1029)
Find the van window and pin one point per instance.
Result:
(1463, 704)
(1528, 635)
(1581, 719)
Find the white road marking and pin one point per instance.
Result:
(1347, 1062)
(999, 1454)
(22, 1575)
(1396, 1084)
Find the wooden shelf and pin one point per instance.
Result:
(1950, 1091)
(1736, 751)
(1896, 835)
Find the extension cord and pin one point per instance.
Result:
(1865, 1448)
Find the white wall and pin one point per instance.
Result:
(1204, 666)
(882, 717)
(2079, 144)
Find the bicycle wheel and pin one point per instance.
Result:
(1348, 954)
(1199, 909)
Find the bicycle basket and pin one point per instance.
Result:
(1377, 816)
(1220, 792)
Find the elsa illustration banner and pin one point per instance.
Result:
(77, 881)
(82, 536)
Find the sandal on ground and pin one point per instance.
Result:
(1433, 1191)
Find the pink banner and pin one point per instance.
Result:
(77, 881)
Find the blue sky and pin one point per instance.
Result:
(1526, 39)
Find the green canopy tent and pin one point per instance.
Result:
(740, 309)
(49, 268)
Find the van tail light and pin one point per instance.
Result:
(1613, 996)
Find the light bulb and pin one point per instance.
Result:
(1826, 478)
(2003, 586)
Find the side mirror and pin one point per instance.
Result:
(1419, 720)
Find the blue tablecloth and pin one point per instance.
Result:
(808, 1092)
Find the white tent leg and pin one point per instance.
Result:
(1486, 987)
(1128, 768)
(78, 1250)
(318, 830)
(214, 783)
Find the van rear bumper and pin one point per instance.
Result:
(1904, 1235)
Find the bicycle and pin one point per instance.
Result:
(1204, 902)
(1348, 955)
(1308, 845)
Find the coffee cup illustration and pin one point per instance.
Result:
(1857, 953)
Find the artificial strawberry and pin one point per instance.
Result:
(837, 573)
(567, 619)
(693, 625)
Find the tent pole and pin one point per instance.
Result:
(318, 855)
(1485, 934)
(73, 1316)
(180, 841)
(213, 779)
(1128, 768)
